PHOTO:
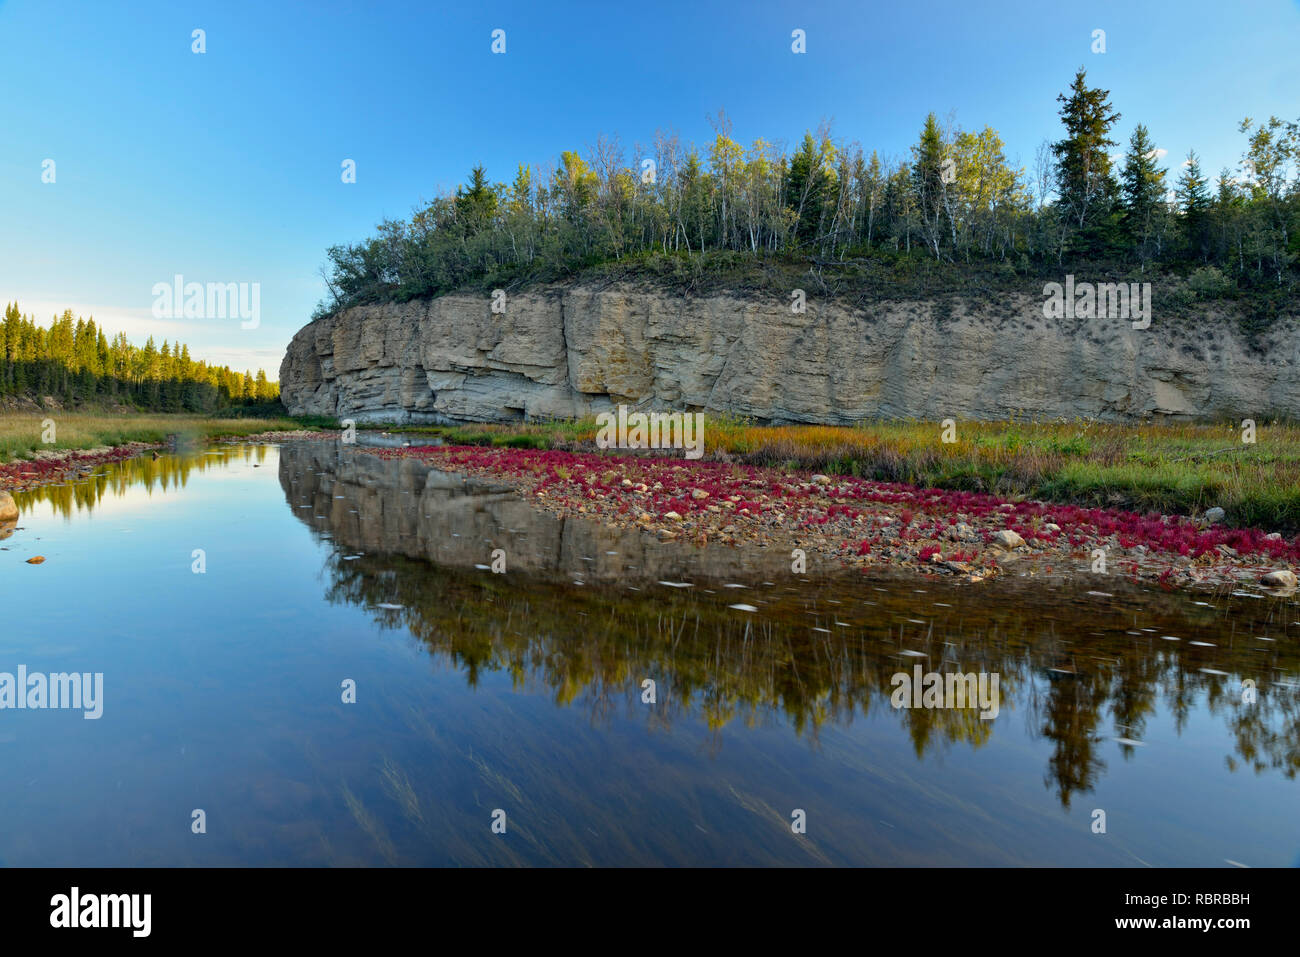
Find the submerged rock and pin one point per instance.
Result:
(1280, 578)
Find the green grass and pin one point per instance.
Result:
(22, 434)
(532, 435)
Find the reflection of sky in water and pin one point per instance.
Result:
(222, 693)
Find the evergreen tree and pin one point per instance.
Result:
(1085, 186)
(477, 205)
(1194, 204)
(806, 189)
(927, 182)
(75, 360)
(1143, 189)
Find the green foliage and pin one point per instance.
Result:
(1085, 184)
(1194, 203)
(271, 409)
(317, 422)
(75, 362)
(955, 217)
(1143, 188)
(1209, 283)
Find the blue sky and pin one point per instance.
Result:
(225, 166)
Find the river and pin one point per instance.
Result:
(602, 698)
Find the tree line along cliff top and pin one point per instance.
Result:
(955, 217)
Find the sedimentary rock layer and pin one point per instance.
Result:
(568, 351)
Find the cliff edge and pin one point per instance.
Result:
(569, 351)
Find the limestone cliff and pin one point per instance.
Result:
(568, 351)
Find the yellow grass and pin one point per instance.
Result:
(22, 434)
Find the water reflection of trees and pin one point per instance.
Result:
(164, 474)
(1078, 689)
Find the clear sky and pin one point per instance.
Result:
(225, 166)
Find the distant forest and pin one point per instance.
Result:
(75, 361)
(955, 202)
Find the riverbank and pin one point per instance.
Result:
(1001, 498)
(31, 436)
(860, 522)
(1253, 473)
(51, 467)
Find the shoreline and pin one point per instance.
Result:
(1174, 469)
(52, 466)
(852, 522)
(274, 435)
(869, 524)
(55, 466)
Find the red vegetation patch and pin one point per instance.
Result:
(634, 486)
(15, 476)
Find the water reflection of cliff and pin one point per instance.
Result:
(1076, 670)
(402, 506)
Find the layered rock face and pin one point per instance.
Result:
(569, 351)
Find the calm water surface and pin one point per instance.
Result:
(523, 691)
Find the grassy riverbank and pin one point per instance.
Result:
(1170, 468)
(1177, 469)
(22, 434)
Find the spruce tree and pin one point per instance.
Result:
(1085, 184)
(1143, 189)
(477, 205)
(805, 188)
(927, 182)
(1194, 204)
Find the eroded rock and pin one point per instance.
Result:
(566, 351)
